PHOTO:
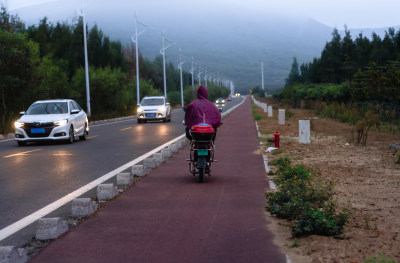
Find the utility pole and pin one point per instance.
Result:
(180, 69)
(162, 51)
(262, 75)
(192, 72)
(137, 34)
(89, 113)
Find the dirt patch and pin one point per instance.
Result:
(367, 178)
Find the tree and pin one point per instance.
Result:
(294, 75)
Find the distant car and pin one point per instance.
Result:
(153, 108)
(52, 120)
(220, 101)
(229, 98)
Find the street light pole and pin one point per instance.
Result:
(89, 113)
(162, 51)
(180, 69)
(262, 75)
(137, 55)
(205, 76)
(199, 76)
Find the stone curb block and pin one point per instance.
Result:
(10, 136)
(166, 153)
(51, 228)
(82, 207)
(158, 158)
(124, 179)
(1, 137)
(137, 170)
(106, 191)
(149, 163)
(172, 147)
(10, 254)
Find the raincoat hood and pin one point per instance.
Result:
(202, 93)
(202, 110)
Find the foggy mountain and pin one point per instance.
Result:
(232, 43)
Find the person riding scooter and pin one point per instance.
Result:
(201, 110)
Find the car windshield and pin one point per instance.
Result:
(152, 102)
(48, 108)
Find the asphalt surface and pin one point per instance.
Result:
(169, 217)
(33, 176)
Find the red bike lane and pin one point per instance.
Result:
(169, 217)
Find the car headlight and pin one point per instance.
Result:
(18, 124)
(60, 122)
(216, 101)
(163, 108)
(139, 110)
(223, 101)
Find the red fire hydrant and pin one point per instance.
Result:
(276, 139)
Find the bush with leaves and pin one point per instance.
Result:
(305, 200)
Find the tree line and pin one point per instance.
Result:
(46, 61)
(360, 74)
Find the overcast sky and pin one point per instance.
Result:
(334, 13)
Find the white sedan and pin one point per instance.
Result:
(153, 108)
(49, 120)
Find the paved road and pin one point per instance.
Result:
(34, 176)
(169, 217)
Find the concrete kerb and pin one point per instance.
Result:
(149, 163)
(124, 179)
(158, 158)
(10, 254)
(173, 148)
(166, 152)
(51, 228)
(138, 170)
(83, 207)
(106, 191)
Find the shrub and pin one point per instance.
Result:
(307, 201)
(257, 117)
(382, 259)
(319, 222)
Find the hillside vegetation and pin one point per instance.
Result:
(355, 81)
(46, 61)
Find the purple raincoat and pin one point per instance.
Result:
(202, 111)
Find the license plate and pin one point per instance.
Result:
(37, 130)
(150, 115)
(202, 152)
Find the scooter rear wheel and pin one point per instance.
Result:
(201, 175)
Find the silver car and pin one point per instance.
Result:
(153, 108)
(51, 120)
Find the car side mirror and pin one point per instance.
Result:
(22, 113)
(138, 105)
(167, 103)
(184, 109)
(75, 111)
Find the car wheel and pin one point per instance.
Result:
(85, 134)
(70, 139)
(165, 119)
(169, 119)
(21, 143)
(139, 121)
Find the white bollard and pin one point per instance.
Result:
(304, 132)
(265, 107)
(173, 148)
(269, 111)
(281, 116)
